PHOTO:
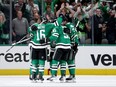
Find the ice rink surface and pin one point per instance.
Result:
(81, 81)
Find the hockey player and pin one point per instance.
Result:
(71, 31)
(49, 27)
(63, 47)
(38, 51)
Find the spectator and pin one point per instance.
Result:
(30, 6)
(5, 8)
(35, 18)
(66, 11)
(20, 5)
(51, 3)
(15, 10)
(111, 28)
(104, 6)
(4, 29)
(20, 26)
(72, 3)
(34, 10)
(98, 26)
(82, 26)
(58, 4)
(49, 13)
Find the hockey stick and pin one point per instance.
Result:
(77, 24)
(10, 47)
(21, 41)
(23, 38)
(14, 43)
(42, 21)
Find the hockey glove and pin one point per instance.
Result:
(43, 40)
(64, 18)
(75, 47)
(48, 55)
(34, 28)
(61, 15)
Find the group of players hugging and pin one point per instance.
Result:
(61, 36)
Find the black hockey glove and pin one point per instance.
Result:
(34, 28)
(75, 47)
(67, 30)
(64, 18)
(61, 15)
(48, 55)
(43, 40)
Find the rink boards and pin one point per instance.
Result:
(90, 60)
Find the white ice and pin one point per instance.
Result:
(81, 81)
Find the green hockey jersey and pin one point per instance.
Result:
(48, 29)
(62, 39)
(37, 35)
(50, 26)
(73, 34)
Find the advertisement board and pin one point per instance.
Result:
(87, 58)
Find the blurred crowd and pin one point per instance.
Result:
(95, 20)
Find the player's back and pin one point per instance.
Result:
(48, 28)
(37, 36)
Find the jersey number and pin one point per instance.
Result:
(40, 34)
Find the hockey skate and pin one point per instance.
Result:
(40, 77)
(53, 78)
(62, 78)
(49, 78)
(71, 78)
(33, 77)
